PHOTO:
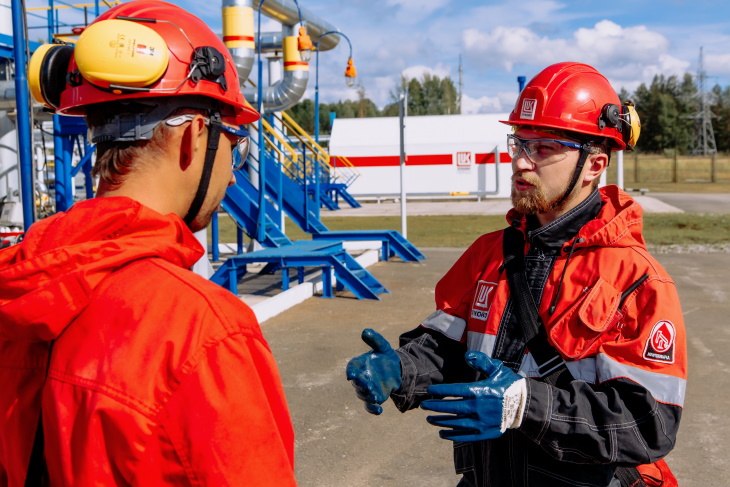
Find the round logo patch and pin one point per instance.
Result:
(660, 345)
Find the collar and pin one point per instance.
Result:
(556, 233)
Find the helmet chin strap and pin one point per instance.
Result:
(214, 131)
(576, 173)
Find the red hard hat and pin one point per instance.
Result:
(152, 49)
(573, 97)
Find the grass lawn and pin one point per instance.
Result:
(461, 230)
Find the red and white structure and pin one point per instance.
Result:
(445, 154)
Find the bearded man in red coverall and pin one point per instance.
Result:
(604, 408)
(118, 365)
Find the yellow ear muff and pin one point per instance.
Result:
(121, 52)
(631, 136)
(47, 73)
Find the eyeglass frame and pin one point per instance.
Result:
(242, 144)
(566, 143)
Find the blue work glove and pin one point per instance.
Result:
(375, 374)
(485, 409)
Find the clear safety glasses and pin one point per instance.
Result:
(240, 147)
(540, 151)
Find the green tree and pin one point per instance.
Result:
(665, 111)
(430, 95)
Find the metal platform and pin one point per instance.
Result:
(393, 242)
(329, 255)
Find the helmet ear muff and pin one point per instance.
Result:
(47, 73)
(633, 125)
(122, 53)
(610, 116)
(624, 119)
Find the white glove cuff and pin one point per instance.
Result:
(513, 405)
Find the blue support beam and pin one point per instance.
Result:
(22, 97)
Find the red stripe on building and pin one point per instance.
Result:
(420, 160)
(238, 38)
(295, 63)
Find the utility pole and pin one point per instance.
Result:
(703, 140)
(461, 84)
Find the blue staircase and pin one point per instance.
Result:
(393, 242)
(328, 255)
(241, 203)
(298, 185)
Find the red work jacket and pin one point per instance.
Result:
(156, 377)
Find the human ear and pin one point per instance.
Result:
(596, 164)
(193, 143)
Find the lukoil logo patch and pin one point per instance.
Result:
(529, 105)
(660, 345)
(482, 300)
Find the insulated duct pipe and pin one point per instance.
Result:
(286, 12)
(238, 35)
(290, 88)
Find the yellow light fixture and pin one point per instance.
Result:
(350, 73)
(304, 43)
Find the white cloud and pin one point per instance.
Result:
(607, 43)
(502, 103)
(413, 11)
(717, 63)
(625, 55)
(417, 72)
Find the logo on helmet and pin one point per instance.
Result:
(528, 108)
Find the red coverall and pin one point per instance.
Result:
(157, 376)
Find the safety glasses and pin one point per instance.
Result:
(240, 147)
(540, 151)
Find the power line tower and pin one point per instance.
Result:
(703, 140)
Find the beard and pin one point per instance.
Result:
(537, 199)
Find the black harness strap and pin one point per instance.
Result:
(214, 132)
(551, 365)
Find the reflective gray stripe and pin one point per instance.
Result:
(665, 388)
(584, 369)
(601, 368)
(451, 326)
(480, 342)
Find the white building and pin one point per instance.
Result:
(445, 154)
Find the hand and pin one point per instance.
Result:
(375, 374)
(485, 409)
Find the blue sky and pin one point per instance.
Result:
(630, 41)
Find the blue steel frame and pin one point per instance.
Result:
(261, 220)
(65, 134)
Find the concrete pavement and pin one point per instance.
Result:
(340, 445)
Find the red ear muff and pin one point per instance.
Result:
(47, 73)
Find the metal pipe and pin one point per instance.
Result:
(287, 13)
(7, 95)
(238, 35)
(23, 121)
(290, 88)
(402, 104)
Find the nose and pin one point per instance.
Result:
(521, 162)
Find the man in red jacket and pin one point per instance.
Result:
(118, 365)
(556, 355)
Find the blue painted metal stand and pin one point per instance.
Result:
(393, 242)
(328, 255)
